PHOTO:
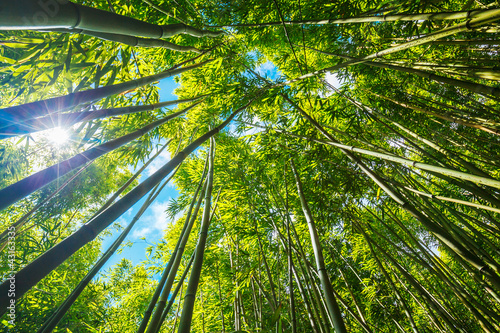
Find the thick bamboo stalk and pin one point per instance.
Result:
(326, 285)
(69, 119)
(19, 223)
(365, 19)
(131, 40)
(189, 298)
(40, 15)
(156, 320)
(353, 297)
(30, 184)
(15, 114)
(31, 274)
(53, 320)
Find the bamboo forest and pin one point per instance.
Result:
(242, 166)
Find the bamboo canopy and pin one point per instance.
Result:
(337, 161)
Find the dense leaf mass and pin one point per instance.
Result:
(337, 164)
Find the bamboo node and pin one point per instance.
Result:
(484, 269)
(78, 14)
(467, 25)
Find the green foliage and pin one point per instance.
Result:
(389, 270)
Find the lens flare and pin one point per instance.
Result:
(58, 136)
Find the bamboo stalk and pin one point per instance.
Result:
(333, 307)
(189, 298)
(39, 15)
(462, 202)
(69, 119)
(411, 163)
(15, 114)
(128, 182)
(366, 19)
(448, 319)
(170, 271)
(30, 184)
(131, 40)
(306, 301)
(31, 274)
(53, 320)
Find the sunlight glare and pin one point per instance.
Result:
(58, 136)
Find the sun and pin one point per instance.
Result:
(58, 136)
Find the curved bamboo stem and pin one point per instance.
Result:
(39, 15)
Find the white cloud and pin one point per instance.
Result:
(159, 161)
(333, 79)
(154, 220)
(265, 67)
